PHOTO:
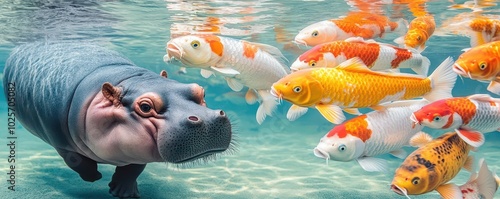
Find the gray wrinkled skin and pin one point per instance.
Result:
(61, 98)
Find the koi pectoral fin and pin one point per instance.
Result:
(420, 139)
(295, 112)
(494, 86)
(372, 164)
(331, 113)
(473, 138)
(449, 191)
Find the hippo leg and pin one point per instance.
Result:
(123, 183)
(86, 167)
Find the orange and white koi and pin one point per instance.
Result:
(431, 166)
(377, 56)
(471, 116)
(481, 30)
(352, 85)
(356, 24)
(375, 133)
(480, 185)
(420, 30)
(242, 63)
(481, 63)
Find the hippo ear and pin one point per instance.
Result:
(112, 93)
(163, 73)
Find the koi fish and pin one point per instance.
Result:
(431, 166)
(377, 56)
(420, 30)
(356, 24)
(471, 116)
(375, 133)
(352, 85)
(480, 185)
(481, 63)
(242, 63)
(480, 30)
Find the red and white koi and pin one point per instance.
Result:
(372, 134)
(376, 56)
(242, 63)
(470, 116)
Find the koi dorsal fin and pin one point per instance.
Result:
(354, 64)
(483, 98)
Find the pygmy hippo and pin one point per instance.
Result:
(95, 106)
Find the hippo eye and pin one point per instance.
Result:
(297, 89)
(195, 44)
(437, 118)
(312, 63)
(342, 148)
(145, 108)
(315, 33)
(482, 65)
(415, 180)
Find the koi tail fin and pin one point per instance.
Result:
(267, 105)
(423, 69)
(486, 181)
(442, 81)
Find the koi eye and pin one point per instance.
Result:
(315, 33)
(297, 89)
(437, 118)
(312, 63)
(145, 108)
(415, 180)
(195, 44)
(342, 148)
(482, 66)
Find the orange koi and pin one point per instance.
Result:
(352, 85)
(481, 63)
(420, 30)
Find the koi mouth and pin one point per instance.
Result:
(276, 94)
(399, 190)
(461, 71)
(173, 51)
(414, 119)
(299, 42)
(321, 154)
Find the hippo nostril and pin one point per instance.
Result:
(193, 118)
(222, 113)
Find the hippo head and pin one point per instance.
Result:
(155, 119)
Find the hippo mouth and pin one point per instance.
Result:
(201, 155)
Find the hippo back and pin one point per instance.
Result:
(46, 75)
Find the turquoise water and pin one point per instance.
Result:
(273, 160)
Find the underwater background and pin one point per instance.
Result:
(272, 160)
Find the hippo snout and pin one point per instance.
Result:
(199, 134)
